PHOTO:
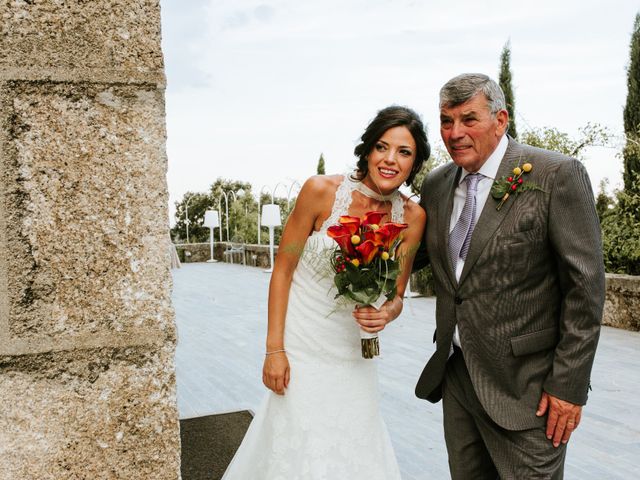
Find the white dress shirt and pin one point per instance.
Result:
(489, 170)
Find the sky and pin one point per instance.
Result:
(257, 90)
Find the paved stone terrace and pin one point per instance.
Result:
(221, 317)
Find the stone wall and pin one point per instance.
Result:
(87, 335)
(256, 255)
(622, 302)
(621, 309)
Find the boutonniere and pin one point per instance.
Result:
(503, 188)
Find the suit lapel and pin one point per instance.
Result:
(452, 177)
(491, 218)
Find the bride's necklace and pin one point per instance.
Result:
(367, 192)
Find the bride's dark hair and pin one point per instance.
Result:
(390, 117)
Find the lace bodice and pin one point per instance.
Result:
(344, 196)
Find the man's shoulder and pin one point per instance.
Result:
(440, 172)
(435, 179)
(546, 163)
(541, 155)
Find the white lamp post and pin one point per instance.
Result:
(293, 185)
(211, 220)
(226, 208)
(186, 215)
(271, 218)
(273, 193)
(259, 201)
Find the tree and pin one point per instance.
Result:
(631, 152)
(194, 205)
(621, 232)
(505, 83)
(241, 206)
(551, 138)
(603, 201)
(320, 169)
(439, 156)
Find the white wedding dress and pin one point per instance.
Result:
(328, 425)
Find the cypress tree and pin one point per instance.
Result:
(631, 151)
(320, 169)
(505, 83)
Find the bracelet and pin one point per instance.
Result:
(275, 351)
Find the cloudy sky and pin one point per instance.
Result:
(258, 89)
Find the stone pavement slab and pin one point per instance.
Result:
(221, 316)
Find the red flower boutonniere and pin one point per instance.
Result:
(503, 188)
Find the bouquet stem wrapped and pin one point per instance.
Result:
(369, 341)
(370, 344)
(365, 265)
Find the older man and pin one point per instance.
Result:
(514, 243)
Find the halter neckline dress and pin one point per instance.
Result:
(327, 425)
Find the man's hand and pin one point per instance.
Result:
(563, 417)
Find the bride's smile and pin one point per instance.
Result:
(391, 160)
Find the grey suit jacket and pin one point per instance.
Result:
(529, 301)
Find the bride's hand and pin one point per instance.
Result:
(372, 320)
(275, 372)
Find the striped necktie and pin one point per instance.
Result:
(460, 236)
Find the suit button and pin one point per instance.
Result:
(457, 300)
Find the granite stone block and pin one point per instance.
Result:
(85, 190)
(92, 37)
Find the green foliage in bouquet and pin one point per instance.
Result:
(365, 284)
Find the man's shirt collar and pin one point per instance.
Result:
(490, 168)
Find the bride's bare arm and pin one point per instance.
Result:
(372, 320)
(312, 202)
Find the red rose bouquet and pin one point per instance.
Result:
(365, 264)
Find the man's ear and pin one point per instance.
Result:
(502, 116)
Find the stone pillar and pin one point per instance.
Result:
(87, 335)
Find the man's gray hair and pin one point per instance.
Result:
(462, 88)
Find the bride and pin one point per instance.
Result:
(321, 419)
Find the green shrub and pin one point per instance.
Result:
(422, 282)
(621, 233)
